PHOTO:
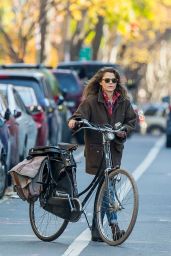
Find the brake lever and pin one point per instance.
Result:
(77, 127)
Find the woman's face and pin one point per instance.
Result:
(108, 82)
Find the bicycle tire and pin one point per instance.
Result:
(122, 201)
(52, 225)
(51, 229)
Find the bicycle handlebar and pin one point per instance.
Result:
(85, 124)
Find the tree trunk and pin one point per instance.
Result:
(75, 49)
(97, 38)
(43, 28)
(78, 37)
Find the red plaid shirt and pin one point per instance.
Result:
(110, 103)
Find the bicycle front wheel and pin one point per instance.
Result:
(116, 205)
(46, 226)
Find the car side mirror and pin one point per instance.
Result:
(64, 93)
(7, 114)
(60, 100)
(17, 113)
(47, 103)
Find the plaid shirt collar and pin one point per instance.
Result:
(110, 103)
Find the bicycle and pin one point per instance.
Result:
(59, 202)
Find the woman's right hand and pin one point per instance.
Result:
(72, 123)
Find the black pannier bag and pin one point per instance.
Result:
(60, 170)
(31, 179)
(63, 198)
(62, 201)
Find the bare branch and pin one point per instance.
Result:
(12, 52)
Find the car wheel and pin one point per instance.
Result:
(168, 141)
(155, 130)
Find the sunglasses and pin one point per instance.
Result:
(108, 80)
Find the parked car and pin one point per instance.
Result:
(51, 119)
(39, 116)
(26, 125)
(156, 116)
(86, 69)
(64, 111)
(6, 156)
(168, 129)
(51, 90)
(70, 86)
(9, 133)
(3, 171)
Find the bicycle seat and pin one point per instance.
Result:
(68, 146)
(44, 150)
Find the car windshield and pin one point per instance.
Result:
(88, 70)
(24, 82)
(67, 82)
(150, 112)
(27, 95)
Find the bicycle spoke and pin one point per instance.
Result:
(117, 207)
(46, 225)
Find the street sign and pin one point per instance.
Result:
(85, 53)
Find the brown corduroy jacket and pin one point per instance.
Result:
(94, 110)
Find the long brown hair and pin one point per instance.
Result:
(93, 86)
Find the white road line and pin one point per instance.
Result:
(149, 158)
(78, 245)
(17, 236)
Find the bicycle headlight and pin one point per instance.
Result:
(110, 136)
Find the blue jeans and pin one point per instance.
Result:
(111, 215)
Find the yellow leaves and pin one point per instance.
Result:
(137, 55)
(132, 19)
(93, 8)
(75, 12)
(5, 4)
(166, 2)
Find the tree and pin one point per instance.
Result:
(21, 16)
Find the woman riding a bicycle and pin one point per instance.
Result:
(105, 101)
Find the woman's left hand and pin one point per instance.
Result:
(121, 134)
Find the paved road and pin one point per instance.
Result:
(152, 232)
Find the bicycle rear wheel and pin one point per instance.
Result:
(118, 199)
(46, 226)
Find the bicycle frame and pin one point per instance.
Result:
(100, 175)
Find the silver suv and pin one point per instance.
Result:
(156, 116)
